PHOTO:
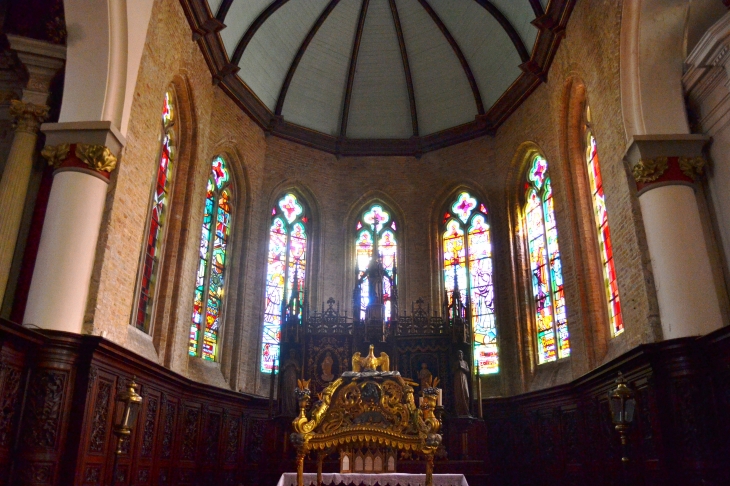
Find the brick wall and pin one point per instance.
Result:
(337, 189)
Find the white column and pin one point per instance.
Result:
(60, 286)
(665, 167)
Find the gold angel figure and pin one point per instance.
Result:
(370, 362)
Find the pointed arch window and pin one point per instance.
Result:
(208, 298)
(553, 341)
(376, 224)
(287, 262)
(160, 201)
(605, 248)
(467, 253)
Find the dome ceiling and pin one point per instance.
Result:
(378, 77)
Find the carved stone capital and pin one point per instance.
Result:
(28, 116)
(96, 157)
(649, 170)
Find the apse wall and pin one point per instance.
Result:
(336, 188)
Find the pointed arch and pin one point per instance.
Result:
(210, 280)
(533, 198)
(288, 267)
(466, 263)
(158, 215)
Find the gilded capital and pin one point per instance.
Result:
(649, 170)
(692, 166)
(28, 116)
(97, 157)
(55, 154)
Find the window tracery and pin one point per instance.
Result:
(154, 236)
(553, 340)
(377, 223)
(467, 262)
(285, 272)
(600, 214)
(208, 297)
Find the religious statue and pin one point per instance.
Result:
(461, 386)
(327, 367)
(424, 376)
(289, 375)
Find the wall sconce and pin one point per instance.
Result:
(126, 409)
(622, 403)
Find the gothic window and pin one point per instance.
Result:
(160, 202)
(210, 279)
(285, 271)
(376, 224)
(605, 248)
(467, 263)
(547, 278)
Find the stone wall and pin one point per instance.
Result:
(337, 189)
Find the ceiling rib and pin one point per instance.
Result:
(537, 8)
(508, 28)
(253, 28)
(300, 53)
(459, 54)
(406, 66)
(223, 10)
(353, 65)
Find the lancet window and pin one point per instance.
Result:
(377, 230)
(605, 247)
(160, 202)
(553, 341)
(467, 263)
(208, 297)
(285, 272)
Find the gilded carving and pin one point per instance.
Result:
(367, 408)
(97, 157)
(28, 116)
(649, 170)
(55, 154)
(692, 166)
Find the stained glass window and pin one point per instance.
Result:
(604, 236)
(467, 250)
(285, 271)
(210, 279)
(547, 276)
(158, 217)
(376, 223)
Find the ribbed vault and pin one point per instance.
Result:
(358, 77)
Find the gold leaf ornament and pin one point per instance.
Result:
(692, 166)
(55, 154)
(649, 170)
(97, 157)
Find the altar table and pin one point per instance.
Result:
(386, 479)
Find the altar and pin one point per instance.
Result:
(388, 479)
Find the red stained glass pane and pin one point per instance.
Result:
(604, 236)
(158, 213)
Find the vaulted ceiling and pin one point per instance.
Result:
(378, 77)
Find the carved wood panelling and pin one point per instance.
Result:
(193, 434)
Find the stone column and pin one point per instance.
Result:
(41, 60)
(665, 168)
(15, 178)
(60, 286)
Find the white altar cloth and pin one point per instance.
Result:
(385, 479)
